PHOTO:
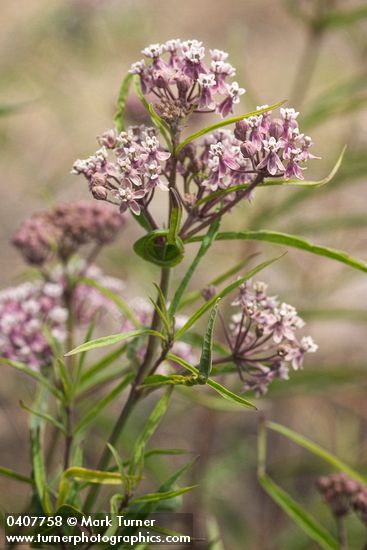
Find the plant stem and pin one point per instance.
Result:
(341, 533)
(134, 395)
(68, 299)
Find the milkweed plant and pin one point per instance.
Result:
(48, 323)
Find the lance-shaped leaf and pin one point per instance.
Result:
(205, 363)
(175, 217)
(6, 472)
(87, 476)
(168, 485)
(294, 510)
(121, 102)
(94, 370)
(137, 460)
(224, 392)
(205, 245)
(157, 497)
(44, 416)
(226, 122)
(302, 518)
(156, 119)
(162, 380)
(293, 241)
(33, 374)
(94, 411)
(210, 303)
(316, 450)
(36, 426)
(112, 339)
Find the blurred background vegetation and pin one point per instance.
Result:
(61, 64)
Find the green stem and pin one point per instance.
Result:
(134, 395)
(68, 299)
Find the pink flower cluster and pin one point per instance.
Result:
(63, 229)
(344, 495)
(274, 146)
(132, 175)
(26, 310)
(178, 78)
(263, 339)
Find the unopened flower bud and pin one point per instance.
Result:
(240, 130)
(108, 139)
(248, 149)
(99, 192)
(276, 128)
(209, 292)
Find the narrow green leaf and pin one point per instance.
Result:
(82, 357)
(175, 217)
(291, 240)
(36, 426)
(205, 363)
(115, 298)
(44, 416)
(210, 303)
(302, 518)
(121, 102)
(161, 379)
(142, 221)
(156, 119)
(210, 402)
(64, 376)
(33, 374)
(316, 450)
(118, 460)
(226, 122)
(87, 476)
(6, 472)
(224, 392)
(137, 455)
(149, 507)
(168, 452)
(113, 339)
(102, 378)
(228, 394)
(102, 364)
(94, 411)
(341, 18)
(157, 497)
(205, 245)
(162, 314)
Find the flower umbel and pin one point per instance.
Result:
(263, 338)
(179, 80)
